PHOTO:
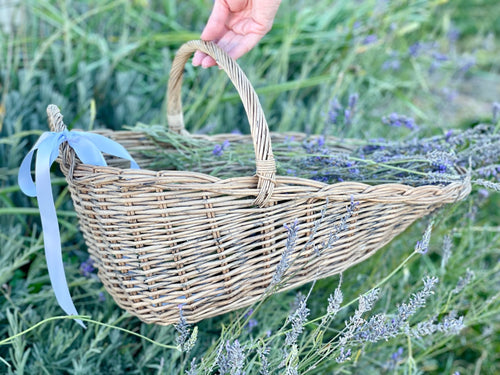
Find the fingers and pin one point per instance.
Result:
(235, 45)
(203, 60)
(214, 30)
(216, 24)
(236, 27)
(264, 12)
(197, 58)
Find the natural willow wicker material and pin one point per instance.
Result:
(165, 239)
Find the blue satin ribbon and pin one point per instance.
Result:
(88, 147)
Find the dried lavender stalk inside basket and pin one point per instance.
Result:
(417, 161)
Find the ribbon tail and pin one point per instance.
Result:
(24, 178)
(89, 148)
(110, 147)
(50, 226)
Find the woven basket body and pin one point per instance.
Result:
(165, 239)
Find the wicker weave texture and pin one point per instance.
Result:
(164, 239)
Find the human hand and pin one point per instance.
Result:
(237, 26)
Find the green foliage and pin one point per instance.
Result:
(105, 64)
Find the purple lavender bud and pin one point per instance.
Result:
(370, 39)
(252, 323)
(414, 49)
(467, 64)
(347, 116)
(353, 99)
(333, 112)
(333, 116)
(87, 267)
(441, 168)
(439, 56)
(392, 120)
(102, 297)
(483, 193)
(397, 354)
(484, 173)
(344, 355)
(218, 150)
(453, 35)
(321, 141)
(335, 104)
(449, 93)
(397, 120)
(353, 202)
(249, 312)
(496, 112)
(392, 64)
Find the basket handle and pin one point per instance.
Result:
(264, 159)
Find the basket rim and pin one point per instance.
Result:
(247, 185)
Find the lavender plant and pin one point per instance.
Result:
(285, 260)
(359, 330)
(439, 159)
(186, 339)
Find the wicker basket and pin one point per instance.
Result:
(164, 239)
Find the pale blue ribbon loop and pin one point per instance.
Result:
(88, 147)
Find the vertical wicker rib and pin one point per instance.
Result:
(164, 239)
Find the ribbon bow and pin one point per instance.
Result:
(88, 147)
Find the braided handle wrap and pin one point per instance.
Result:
(55, 118)
(264, 159)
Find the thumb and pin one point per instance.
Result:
(216, 24)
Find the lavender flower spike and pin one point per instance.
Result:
(496, 112)
(422, 246)
(397, 120)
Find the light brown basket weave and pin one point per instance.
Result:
(164, 239)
